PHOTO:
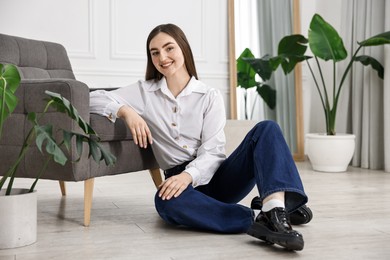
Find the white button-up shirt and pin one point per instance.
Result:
(188, 127)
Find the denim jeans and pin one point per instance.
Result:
(262, 159)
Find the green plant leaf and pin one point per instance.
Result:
(380, 39)
(32, 117)
(268, 94)
(245, 73)
(11, 101)
(261, 66)
(376, 65)
(108, 157)
(291, 51)
(63, 105)
(67, 139)
(94, 150)
(292, 45)
(11, 75)
(45, 135)
(79, 144)
(324, 41)
(9, 82)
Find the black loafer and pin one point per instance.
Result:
(273, 228)
(300, 216)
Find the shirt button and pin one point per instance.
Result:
(185, 146)
(174, 109)
(173, 124)
(110, 116)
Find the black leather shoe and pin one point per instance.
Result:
(302, 215)
(273, 228)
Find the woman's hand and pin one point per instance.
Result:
(137, 125)
(174, 186)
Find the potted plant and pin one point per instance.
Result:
(18, 214)
(326, 44)
(247, 68)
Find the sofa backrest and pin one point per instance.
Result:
(35, 59)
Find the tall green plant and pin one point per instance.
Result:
(43, 134)
(247, 68)
(325, 44)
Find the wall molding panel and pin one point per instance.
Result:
(90, 52)
(105, 39)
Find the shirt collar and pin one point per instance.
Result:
(193, 85)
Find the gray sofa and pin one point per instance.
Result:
(46, 66)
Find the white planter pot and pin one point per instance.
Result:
(18, 218)
(330, 153)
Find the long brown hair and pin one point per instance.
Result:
(176, 33)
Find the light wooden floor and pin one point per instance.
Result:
(351, 221)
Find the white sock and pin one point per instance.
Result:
(256, 213)
(273, 203)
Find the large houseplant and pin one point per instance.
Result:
(246, 78)
(48, 142)
(327, 45)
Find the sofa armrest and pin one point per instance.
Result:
(33, 94)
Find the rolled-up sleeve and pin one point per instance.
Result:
(211, 153)
(104, 103)
(108, 103)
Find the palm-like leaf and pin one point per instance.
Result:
(380, 39)
(324, 41)
(376, 65)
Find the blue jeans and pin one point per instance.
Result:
(263, 158)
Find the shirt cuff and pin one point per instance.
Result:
(195, 174)
(111, 111)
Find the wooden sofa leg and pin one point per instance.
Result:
(63, 188)
(156, 176)
(88, 194)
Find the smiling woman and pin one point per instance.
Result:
(288, 111)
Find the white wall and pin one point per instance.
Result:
(105, 39)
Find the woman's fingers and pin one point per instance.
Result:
(141, 135)
(137, 125)
(170, 189)
(174, 186)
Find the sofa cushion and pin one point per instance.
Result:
(108, 131)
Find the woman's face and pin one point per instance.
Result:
(167, 56)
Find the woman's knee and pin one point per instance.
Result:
(166, 206)
(168, 209)
(267, 126)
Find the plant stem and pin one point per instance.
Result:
(11, 172)
(327, 104)
(332, 127)
(253, 106)
(318, 89)
(43, 169)
(346, 72)
(245, 103)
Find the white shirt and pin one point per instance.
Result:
(188, 127)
